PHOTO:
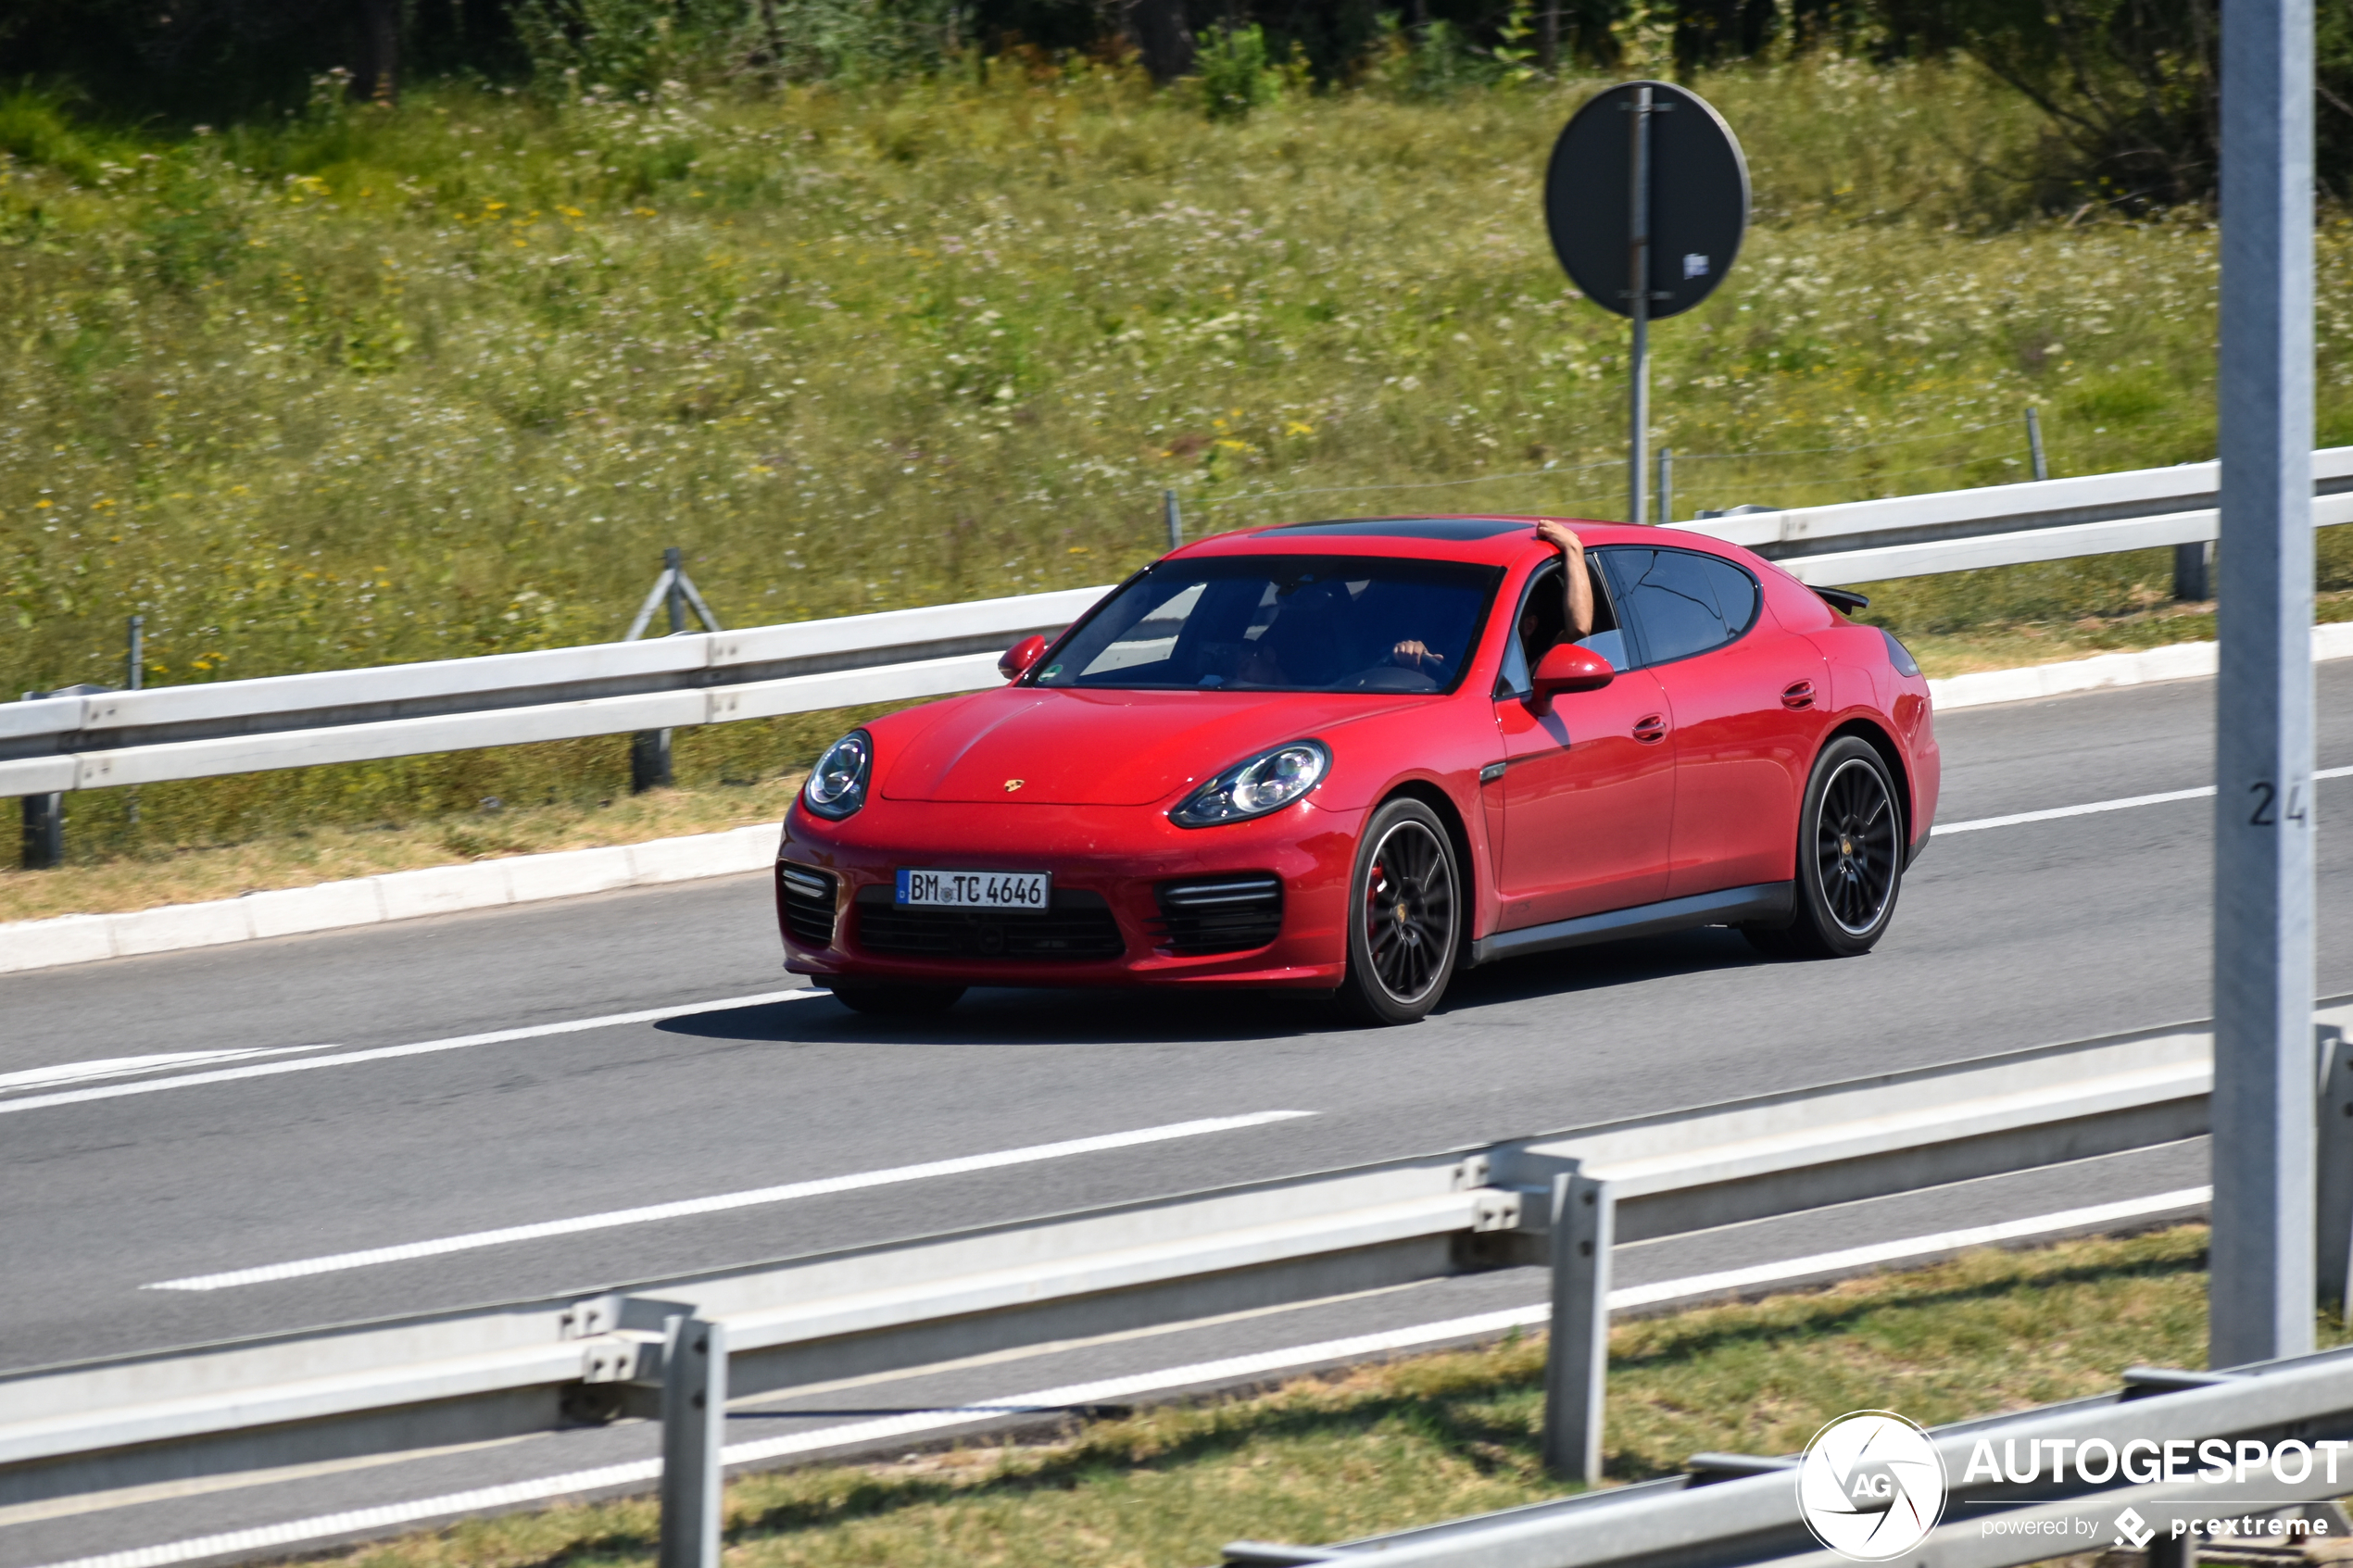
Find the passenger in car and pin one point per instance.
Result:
(1538, 621)
(1575, 576)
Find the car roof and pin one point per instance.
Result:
(1486, 538)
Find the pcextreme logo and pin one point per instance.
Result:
(1870, 1486)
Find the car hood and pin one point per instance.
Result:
(1095, 748)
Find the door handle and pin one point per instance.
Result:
(1650, 728)
(1798, 693)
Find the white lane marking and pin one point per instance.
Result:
(2126, 803)
(1912, 1247)
(685, 1208)
(389, 1053)
(131, 1066)
(1103, 1391)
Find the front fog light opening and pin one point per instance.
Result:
(1257, 786)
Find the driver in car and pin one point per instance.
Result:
(1578, 586)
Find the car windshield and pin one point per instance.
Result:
(1282, 624)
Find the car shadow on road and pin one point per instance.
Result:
(1604, 966)
(1010, 1016)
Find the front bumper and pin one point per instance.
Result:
(1119, 856)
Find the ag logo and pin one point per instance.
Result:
(1872, 1485)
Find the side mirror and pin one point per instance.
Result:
(1569, 667)
(1021, 656)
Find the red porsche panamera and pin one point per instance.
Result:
(1357, 757)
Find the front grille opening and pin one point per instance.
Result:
(1077, 925)
(1224, 914)
(806, 895)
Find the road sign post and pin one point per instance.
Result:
(2262, 1286)
(1638, 301)
(1646, 198)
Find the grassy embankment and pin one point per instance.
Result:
(1435, 1437)
(371, 386)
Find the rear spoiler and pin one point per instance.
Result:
(1841, 599)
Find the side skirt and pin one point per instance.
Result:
(1764, 901)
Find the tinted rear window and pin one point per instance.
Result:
(1680, 602)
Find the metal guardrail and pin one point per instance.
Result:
(105, 739)
(457, 1376)
(102, 739)
(2010, 524)
(1734, 1512)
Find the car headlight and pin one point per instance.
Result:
(1269, 782)
(837, 785)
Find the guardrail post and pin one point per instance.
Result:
(2333, 1209)
(1576, 1363)
(45, 815)
(1175, 517)
(650, 765)
(45, 831)
(2194, 571)
(694, 1434)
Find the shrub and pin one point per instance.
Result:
(1235, 73)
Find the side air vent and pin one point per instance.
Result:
(806, 896)
(1224, 914)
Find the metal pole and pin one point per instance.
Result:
(2261, 1286)
(1638, 287)
(44, 844)
(1176, 519)
(649, 762)
(2034, 442)
(2332, 1192)
(136, 673)
(694, 1435)
(1666, 486)
(2194, 571)
(1577, 1359)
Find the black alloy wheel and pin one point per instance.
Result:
(1850, 858)
(1404, 933)
(891, 999)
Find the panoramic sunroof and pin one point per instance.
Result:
(1412, 527)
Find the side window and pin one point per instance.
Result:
(1680, 602)
(1536, 623)
(1735, 594)
(1543, 620)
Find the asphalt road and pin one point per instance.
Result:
(2008, 937)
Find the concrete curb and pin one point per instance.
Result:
(2180, 661)
(371, 900)
(525, 879)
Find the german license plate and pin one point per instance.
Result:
(975, 890)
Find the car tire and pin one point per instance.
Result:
(889, 1000)
(1407, 906)
(1850, 859)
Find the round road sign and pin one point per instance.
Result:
(1698, 198)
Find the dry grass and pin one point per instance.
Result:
(1433, 1437)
